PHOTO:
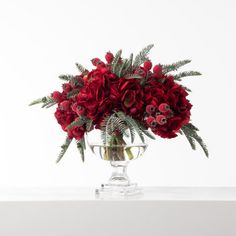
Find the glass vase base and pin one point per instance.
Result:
(114, 190)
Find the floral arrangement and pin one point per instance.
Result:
(120, 96)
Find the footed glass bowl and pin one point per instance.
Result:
(119, 157)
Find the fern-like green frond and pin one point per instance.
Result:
(89, 125)
(72, 93)
(38, 101)
(186, 74)
(192, 127)
(190, 132)
(81, 147)
(64, 148)
(185, 88)
(49, 102)
(66, 77)
(142, 56)
(146, 132)
(175, 66)
(128, 67)
(189, 138)
(115, 62)
(110, 126)
(80, 68)
(121, 68)
(78, 122)
(131, 123)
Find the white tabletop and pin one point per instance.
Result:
(149, 193)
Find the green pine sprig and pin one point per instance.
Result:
(66, 77)
(142, 56)
(72, 93)
(175, 66)
(81, 146)
(115, 66)
(46, 102)
(190, 132)
(64, 148)
(186, 74)
(128, 66)
(80, 68)
(110, 126)
(78, 122)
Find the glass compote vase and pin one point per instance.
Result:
(119, 151)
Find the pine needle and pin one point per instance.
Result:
(142, 56)
(175, 66)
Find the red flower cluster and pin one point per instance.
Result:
(153, 99)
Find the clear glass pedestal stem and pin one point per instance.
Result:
(119, 183)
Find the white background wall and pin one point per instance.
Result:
(41, 39)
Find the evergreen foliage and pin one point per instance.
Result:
(142, 56)
(115, 66)
(64, 148)
(72, 93)
(66, 77)
(190, 132)
(81, 121)
(46, 101)
(185, 74)
(127, 69)
(175, 66)
(111, 126)
(81, 147)
(80, 68)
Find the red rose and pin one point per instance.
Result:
(131, 96)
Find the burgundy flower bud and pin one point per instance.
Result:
(151, 121)
(109, 57)
(56, 95)
(65, 105)
(164, 107)
(161, 119)
(147, 65)
(66, 87)
(157, 69)
(95, 61)
(150, 109)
